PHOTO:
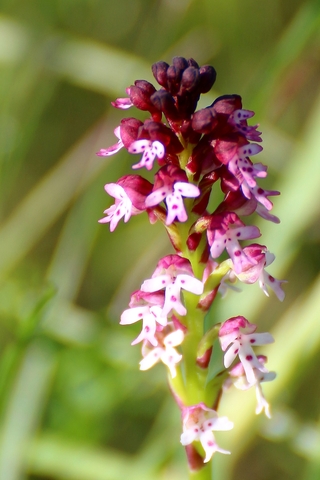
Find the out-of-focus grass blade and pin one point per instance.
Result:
(14, 40)
(294, 39)
(83, 61)
(95, 65)
(46, 202)
(163, 438)
(25, 408)
(49, 455)
(74, 247)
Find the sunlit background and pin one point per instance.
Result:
(73, 403)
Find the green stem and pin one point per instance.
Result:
(204, 474)
(190, 384)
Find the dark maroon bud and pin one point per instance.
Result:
(163, 101)
(140, 94)
(228, 181)
(208, 76)
(204, 120)
(159, 71)
(232, 202)
(227, 104)
(226, 147)
(190, 79)
(188, 133)
(180, 63)
(173, 78)
(137, 188)
(169, 173)
(203, 362)
(193, 241)
(187, 103)
(145, 86)
(193, 63)
(200, 203)
(129, 128)
(162, 133)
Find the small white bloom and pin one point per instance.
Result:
(199, 422)
(166, 353)
(150, 316)
(121, 208)
(150, 150)
(173, 286)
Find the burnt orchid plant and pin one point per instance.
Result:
(196, 155)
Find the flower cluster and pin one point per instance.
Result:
(195, 153)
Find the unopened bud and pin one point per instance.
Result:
(204, 120)
(140, 94)
(159, 71)
(190, 79)
(163, 101)
(208, 76)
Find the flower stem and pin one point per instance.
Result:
(204, 473)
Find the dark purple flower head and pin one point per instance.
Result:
(182, 82)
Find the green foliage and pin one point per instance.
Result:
(73, 404)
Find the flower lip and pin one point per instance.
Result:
(165, 351)
(237, 343)
(150, 151)
(199, 422)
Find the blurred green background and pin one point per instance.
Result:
(73, 404)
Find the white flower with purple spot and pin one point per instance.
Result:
(164, 352)
(248, 171)
(150, 151)
(228, 238)
(173, 194)
(150, 316)
(173, 285)
(235, 343)
(266, 279)
(122, 207)
(239, 120)
(253, 272)
(199, 422)
(106, 152)
(239, 380)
